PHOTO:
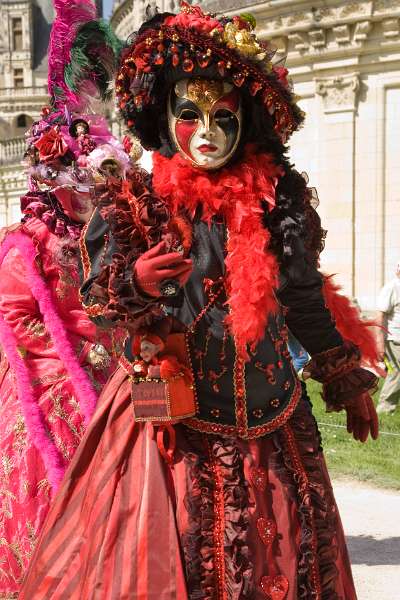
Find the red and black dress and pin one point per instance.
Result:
(245, 509)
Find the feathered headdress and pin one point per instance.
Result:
(83, 54)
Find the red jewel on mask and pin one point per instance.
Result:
(175, 59)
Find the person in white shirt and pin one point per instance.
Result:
(389, 319)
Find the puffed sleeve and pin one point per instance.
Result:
(307, 316)
(335, 362)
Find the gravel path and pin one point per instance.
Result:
(371, 520)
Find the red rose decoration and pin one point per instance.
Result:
(193, 16)
(51, 146)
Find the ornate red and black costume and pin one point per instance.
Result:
(243, 508)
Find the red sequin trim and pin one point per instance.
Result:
(251, 432)
(219, 526)
(266, 530)
(187, 344)
(259, 478)
(239, 386)
(275, 587)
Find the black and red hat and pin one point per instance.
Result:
(195, 44)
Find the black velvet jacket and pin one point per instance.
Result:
(247, 399)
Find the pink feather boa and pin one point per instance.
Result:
(80, 381)
(237, 194)
(33, 417)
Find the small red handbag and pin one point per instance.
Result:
(164, 400)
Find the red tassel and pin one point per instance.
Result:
(166, 451)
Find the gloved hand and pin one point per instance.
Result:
(362, 418)
(154, 267)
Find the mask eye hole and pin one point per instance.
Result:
(188, 115)
(223, 116)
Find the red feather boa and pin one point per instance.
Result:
(236, 194)
(350, 324)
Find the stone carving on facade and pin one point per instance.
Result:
(355, 9)
(342, 34)
(390, 28)
(387, 5)
(327, 16)
(340, 93)
(129, 14)
(362, 30)
(329, 39)
(317, 38)
(321, 16)
(298, 40)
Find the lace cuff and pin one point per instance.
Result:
(338, 369)
(116, 297)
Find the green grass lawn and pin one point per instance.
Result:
(376, 462)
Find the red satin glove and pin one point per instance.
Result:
(155, 266)
(362, 418)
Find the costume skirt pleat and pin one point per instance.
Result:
(229, 519)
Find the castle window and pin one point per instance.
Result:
(18, 78)
(16, 28)
(22, 121)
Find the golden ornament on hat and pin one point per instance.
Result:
(244, 41)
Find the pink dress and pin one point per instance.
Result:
(25, 484)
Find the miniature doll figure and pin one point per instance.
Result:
(80, 129)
